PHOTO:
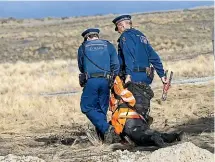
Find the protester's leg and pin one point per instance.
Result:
(134, 129)
(139, 132)
(172, 137)
(90, 105)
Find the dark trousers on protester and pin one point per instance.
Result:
(140, 133)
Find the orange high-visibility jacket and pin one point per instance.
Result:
(121, 114)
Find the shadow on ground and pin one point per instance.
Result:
(200, 132)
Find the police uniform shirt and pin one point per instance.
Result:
(135, 51)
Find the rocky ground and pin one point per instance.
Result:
(184, 152)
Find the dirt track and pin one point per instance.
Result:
(179, 81)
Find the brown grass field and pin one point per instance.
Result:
(38, 56)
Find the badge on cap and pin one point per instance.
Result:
(123, 39)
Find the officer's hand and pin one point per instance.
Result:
(128, 78)
(164, 80)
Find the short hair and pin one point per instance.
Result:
(128, 22)
(91, 36)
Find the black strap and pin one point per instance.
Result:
(98, 75)
(83, 49)
(139, 69)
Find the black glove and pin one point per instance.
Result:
(111, 80)
(82, 79)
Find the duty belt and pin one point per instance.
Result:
(139, 69)
(99, 75)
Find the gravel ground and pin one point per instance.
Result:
(14, 158)
(185, 152)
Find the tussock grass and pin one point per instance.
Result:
(22, 109)
(37, 56)
(21, 106)
(200, 66)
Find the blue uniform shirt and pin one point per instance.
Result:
(102, 53)
(134, 52)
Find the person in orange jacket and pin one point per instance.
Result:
(128, 123)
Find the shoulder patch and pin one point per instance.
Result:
(143, 39)
(123, 39)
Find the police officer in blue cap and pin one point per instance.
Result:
(135, 53)
(98, 63)
(138, 61)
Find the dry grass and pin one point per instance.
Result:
(21, 106)
(23, 110)
(42, 52)
(200, 66)
(184, 103)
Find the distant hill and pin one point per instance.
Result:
(41, 9)
(172, 34)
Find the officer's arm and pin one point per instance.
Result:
(80, 59)
(155, 60)
(127, 46)
(114, 61)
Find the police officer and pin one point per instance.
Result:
(135, 53)
(138, 61)
(97, 61)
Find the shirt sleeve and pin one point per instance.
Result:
(80, 59)
(114, 61)
(155, 60)
(127, 45)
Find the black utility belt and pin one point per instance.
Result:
(99, 75)
(83, 77)
(148, 70)
(140, 69)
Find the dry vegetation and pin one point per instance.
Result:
(21, 105)
(38, 56)
(22, 109)
(178, 33)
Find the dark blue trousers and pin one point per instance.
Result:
(95, 102)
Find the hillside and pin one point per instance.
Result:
(185, 33)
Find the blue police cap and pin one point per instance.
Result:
(121, 18)
(90, 31)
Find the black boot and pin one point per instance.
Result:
(158, 140)
(180, 136)
(150, 120)
(172, 137)
(110, 136)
